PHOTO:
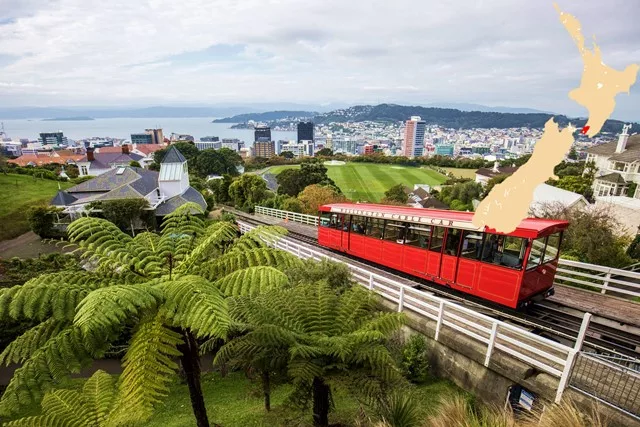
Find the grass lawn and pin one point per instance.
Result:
(234, 401)
(18, 193)
(462, 173)
(369, 181)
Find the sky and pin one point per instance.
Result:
(322, 52)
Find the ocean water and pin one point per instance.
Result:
(124, 127)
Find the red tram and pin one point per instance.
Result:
(445, 247)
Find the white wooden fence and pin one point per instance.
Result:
(573, 273)
(549, 356)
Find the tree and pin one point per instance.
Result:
(41, 219)
(573, 154)
(123, 212)
(396, 195)
(187, 149)
(220, 188)
(314, 196)
(327, 152)
(287, 155)
(324, 335)
(290, 182)
(312, 171)
(134, 164)
(217, 162)
(460, 196)
(170, 287)
(247, 191)
(592, 235)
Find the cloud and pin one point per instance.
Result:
(498, 52)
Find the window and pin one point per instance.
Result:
(537, 250)
(453, 241)
(418, 236)
(330, 220)
(436, 239)
(325, 219)
(471, 245)
(507, 251)
(374, 227)
(84, 170)
(394, 231)
(346, 222)
(553, 244)
(358, 224)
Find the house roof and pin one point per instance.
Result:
(421, 193)
(111, 180)
(173, 156)
(545, 193)
(44, 159)
(490, 173)
(147, 149)
(105, 160)
(62, 198)
(433, 203)
(191, 195)
(613, 177)
(630, 154)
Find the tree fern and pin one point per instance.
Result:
(259, 237)
(233, 261)
(213, 242)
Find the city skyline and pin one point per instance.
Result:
(496, 53)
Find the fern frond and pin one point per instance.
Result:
(28, 343)
(108, 308)
(259, 237)
(252, 281)
(62, 355)
(235, 260)
(196, 304)
(147, 368)
(216, 237)
(67, 405)
(49, 295)
(184, 220)
(98, 395)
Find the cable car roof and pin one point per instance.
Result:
(529, 227)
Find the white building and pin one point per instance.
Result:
(414, 131)
(207, 145)
(617, 164)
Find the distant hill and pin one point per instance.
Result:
(456, 119)
(267, 117)
(68, 119)
(485, 108)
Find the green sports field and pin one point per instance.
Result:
(369, 181)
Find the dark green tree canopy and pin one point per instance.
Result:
(293, 181)
(396, 194)
(217, 162)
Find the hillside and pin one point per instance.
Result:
(267, 117)
(452, 118)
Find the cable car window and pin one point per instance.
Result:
(507, 251)
(418, 236)
(335, 221)
(553, 244)
(537, 250)
(453, 241)
(471, 245)
(358, 224)
(394, 231)
(325, 219)
(436, 239)
(346, 223)
(374, 227)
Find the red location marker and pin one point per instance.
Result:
(585, 130)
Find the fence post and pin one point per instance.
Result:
(370, 281)
(586, 319)
(566, 373)
(492, 341)
(401, 300)
(298, 251)
(605, 285)
(440, 315)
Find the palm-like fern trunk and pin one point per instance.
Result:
(320, 403)
(191, 365)
(266, 389)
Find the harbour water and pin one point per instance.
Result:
(122, 128)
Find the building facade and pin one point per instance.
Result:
(141, 138)
(207, 145)
(55, 138)
(262, 132)
(444, 150)
(264, 149)
(157, 137)
(305, 131)
(414, 132)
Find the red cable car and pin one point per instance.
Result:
(445, 247)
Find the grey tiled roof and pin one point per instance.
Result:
(173, 156)
(111, 180)
(629, 155)
(191, 195)
(62, 198)
(122, 192)
(105, 159)
(612, 177)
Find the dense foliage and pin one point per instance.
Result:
(313, 196)
(395, 195)
(312, 171)
(204, 163)
(460, 196)
(126, 213)
(41, 221)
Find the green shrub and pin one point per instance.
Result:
(41, 219)
(415, 363)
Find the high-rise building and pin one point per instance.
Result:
(305, 131)
(157, 137)
(262, 132)
(56, 138)
(279, 145)
(264, 149)
(414, 137)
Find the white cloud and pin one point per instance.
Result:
(499, 52)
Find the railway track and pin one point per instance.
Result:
(540, 318)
